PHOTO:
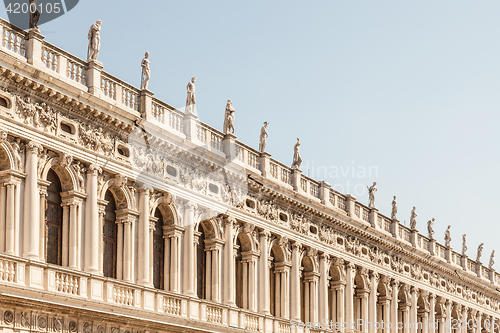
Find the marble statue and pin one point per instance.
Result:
(371, 193)
(263, 138)
(34, 16)
(413, 218)
(394, 208)
(479, 252)
(447, 237)
(229, 118)
(94, 40)
(492, 262)
(430, 228)
(297, 159)
(146, 74)
(464, 244)
(191, 98)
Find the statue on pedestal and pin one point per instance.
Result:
(146, 74)
(191, 98)
(430, 229)
(492, 262)
(447, 237)
(394, 208)
(464, 244)
(34, 16)
(94, 40)
(371, 194)
(479, 252)
(297, 160)
(229, 118)
(263, 138)
(413, 218)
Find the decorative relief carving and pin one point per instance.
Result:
(73, 326)
(57, 324)
(87, 328)
(42, 323)
(8, 317)
(25, 319)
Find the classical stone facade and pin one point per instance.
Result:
(122, 214)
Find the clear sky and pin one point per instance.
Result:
(409, 88)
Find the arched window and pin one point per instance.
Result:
(158, 252)
(200, 265)
(53, 219)
(110, 233)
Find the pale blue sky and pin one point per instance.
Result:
(411, 88)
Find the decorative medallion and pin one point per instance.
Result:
(25, 319)
(42, 323)
(8, 317)
(72, 326)
(101, 329)
(87, 328)
(57, 324)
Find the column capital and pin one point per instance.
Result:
(395, 284)
(375, 276)
(190, 205)
(264, 234)
(229, 220)
(145, 190)
(296, 246)
(34, 147)
(94, 169)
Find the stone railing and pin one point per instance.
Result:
(50, 59)
(108, 86)
(8, 270)
(13, 38)
(67, 283)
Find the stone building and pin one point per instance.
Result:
(122, 214)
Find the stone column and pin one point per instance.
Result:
(174, 265)
(208, 274)
(372, 308)
(189, 250)
(73, 236)
(339, 289)
(127, 253)
(432, 314)
(216, 272)
(10, 220)
(323, 286)
(447, 320)
(394, 306)
(313, 298)
(285, 291)
(478, 322)
(92, 223)
(463, 320)
(42, 189)
(251, 284)
(143, 250)
(65, 235)
(413, 309)
(31, 203)
(295, 290)
(229, 275)
(364, 299)
(386, 305)
(349, 295)
(264, 299)
(3, 198)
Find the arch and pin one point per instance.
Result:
(53, 220)
(122, 194)
(210, 228)
(7, 160)
(69, 180)
(166, 205)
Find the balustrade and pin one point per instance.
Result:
(14, 39)
(50, 59)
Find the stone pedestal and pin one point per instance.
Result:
(373, 217)
(264, 164)
(34, 48)
(94, 77)
(492, 275)
(464, 262)
(190, 122)
(324, 193)
(413, 237)
(447, 254)
(432, 247)
(145, 106)
(395, 228)
(350, 203)
(229, 146)
(296, 175)
(479, 269)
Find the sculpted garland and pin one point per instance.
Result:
(298, 222)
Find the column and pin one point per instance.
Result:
(432, 314)
(17, 218)
(323, 286)
(127, 253)
(151, 230)
(447, 320)
(119, 251)
(43, 193)
(313, 298)
(340, 302)
(264, 298)
(413, 309)
(386, 306)
(174, 266)
(478, 322)
(349, 295)
(244, 264)
(425, 321)
(463, 320)
(3, 198)
(295, 290)
(285, 292)
(394, 306)
(189, 250)
(364, 309)
(372, 308)
(251, 284)
(31, 204)
(208, 275)
(216, 267)
(65, 235)
(229, 276)
(73, 234)
(92, 223)
(306, 300)
(10, 240)
(166, 264)
(143, 250)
